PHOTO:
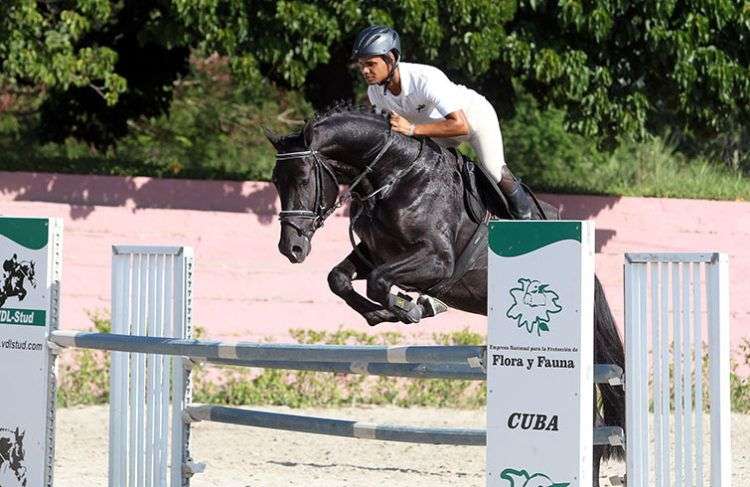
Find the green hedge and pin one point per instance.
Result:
(215, 131)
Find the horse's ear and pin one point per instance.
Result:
(272, 137)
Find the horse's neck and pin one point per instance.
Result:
(385, 157)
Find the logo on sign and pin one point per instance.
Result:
(12, 454)
(15, 276)
(521, 478)
(533, 305)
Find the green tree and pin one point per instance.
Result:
(99, 63)
(40, 47)
(618, 68)
(624, 67)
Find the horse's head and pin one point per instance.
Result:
(307, 187)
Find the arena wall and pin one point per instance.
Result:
(245, 289)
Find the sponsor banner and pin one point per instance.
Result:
(30, 250)
(540, 353)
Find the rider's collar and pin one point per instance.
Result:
(404, 79)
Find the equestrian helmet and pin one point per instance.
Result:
(376, 40)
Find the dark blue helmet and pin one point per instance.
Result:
(376, 40)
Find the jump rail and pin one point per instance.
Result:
(357, 429)
(603, 374)
(427, 362)
(209, 349)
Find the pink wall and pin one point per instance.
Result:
(245, 289)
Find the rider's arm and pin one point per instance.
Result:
(438, 89)
(453, 125)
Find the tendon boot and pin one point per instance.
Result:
(404, 308)
(519, 201)
(431, 306)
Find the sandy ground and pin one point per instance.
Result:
(238, 456)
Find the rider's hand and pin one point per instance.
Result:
(401, 125)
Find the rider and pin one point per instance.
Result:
(423, 101)
(10, 265)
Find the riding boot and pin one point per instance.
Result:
(519, 201)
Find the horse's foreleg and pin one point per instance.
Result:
(416, 270)
(340, 281)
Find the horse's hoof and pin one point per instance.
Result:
(381, 316)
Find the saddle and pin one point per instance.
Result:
(481, 196)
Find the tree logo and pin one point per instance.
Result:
(521, 478)
(532, 305)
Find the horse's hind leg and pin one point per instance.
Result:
(340, 281)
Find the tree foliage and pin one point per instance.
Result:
(40, 45)
(619, 68)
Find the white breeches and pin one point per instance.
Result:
(484, 136)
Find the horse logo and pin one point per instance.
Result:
(521, 478)
(12, 454)
(533, 303)
(15, 274)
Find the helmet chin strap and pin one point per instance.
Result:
(389, 78)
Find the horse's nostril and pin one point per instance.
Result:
(296, 249)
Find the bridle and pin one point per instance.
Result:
(320, 212)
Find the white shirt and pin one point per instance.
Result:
(427, 96)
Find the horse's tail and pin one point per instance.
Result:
(608, 349)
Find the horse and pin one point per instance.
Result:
(415, 229)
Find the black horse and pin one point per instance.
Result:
(409, 211)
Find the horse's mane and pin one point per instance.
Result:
(336, 108)
(345, 106)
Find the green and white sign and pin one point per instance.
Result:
(540, 353)
(30, 260)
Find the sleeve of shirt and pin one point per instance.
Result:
(443, 93)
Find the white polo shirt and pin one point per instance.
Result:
(427, 96)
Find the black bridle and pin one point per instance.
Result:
(319, 214)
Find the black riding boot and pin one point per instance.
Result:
(521, 206)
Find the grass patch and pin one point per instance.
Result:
(243, 386)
